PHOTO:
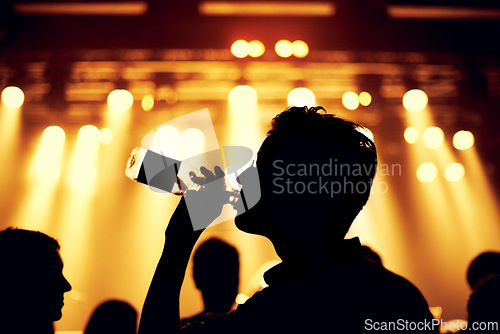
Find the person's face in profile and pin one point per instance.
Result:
(47, 292)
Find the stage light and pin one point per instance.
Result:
(242, 95)
(167, 141)
(283, 48)
(240, 48)
(426, 172)
(47, 161)
(433, 137)
(415, 100)
(120, 100)
(106, 135)
(12, 97)
(463, 140)
(53, 135)
(300, 97)
(300, 49)
(148, 102)
(350, 100)
(365, 99)
(411, 135)
(454, 172)
(256, 49)
(89, 133)
(192, 142)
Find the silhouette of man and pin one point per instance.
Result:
(485, 264)
(112, 316)
(32, 284)
(216, 274)
(315, 173)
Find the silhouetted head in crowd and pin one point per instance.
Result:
(484, 303)
(483, 265)
(216, 274)
(113, 316)
(31, 280)
(316, 172)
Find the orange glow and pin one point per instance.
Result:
(411, 135)
(300, 49)
(433, 137)
(415, 100)
(454, 172)
(256, 49)
(427, 172)
(350, 100)
(106, 135)
(242, 95)
(365, 99)
(283, 48)
(463, 140)
(301, 96)
(148, 102)
(240, 48)
(120, 100)
(273, 8)
(12, 97)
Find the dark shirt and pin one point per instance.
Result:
(351, 294)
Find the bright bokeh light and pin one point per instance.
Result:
(411, 135)
(192, 141)
(240, 48)
(463, 140)
(300, 49)
(242, 95)
(167, 141)
(283, 48)
(350, 100)
(46, 165)
(454, 172)
(433, 137)
(90, 134)
(12, 97)
(148, 102)
(256, 49)
(426, 172)
(120, 100)
(367, 132)
(415, 100)
(365, 99)
(241, 298)
(300, 97)
(106, 135)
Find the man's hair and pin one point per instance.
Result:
(19, 249)
(349, 134)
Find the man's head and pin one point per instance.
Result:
(216, 269)
(315, 173)
(32, 283)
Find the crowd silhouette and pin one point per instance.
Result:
(325, 282)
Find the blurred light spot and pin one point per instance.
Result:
(12, 97)
(148, 102)
(256, 49)
(82, 175)
(53, 135)
(283, 48)
(415, 100)
(433, 137)
(47, 161)
(241, 298)
(120, 100)
(366, 132)
(411, 135)
(89, 134)
(300, 97)
(242, 95)
(240, 48)
(454, 172)
(436, 311)
(167, 141)
(300, 49)
(426, 172)
(192, 141)
(463, 140)
(365, 99)
(106, 135)
(350, 100)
